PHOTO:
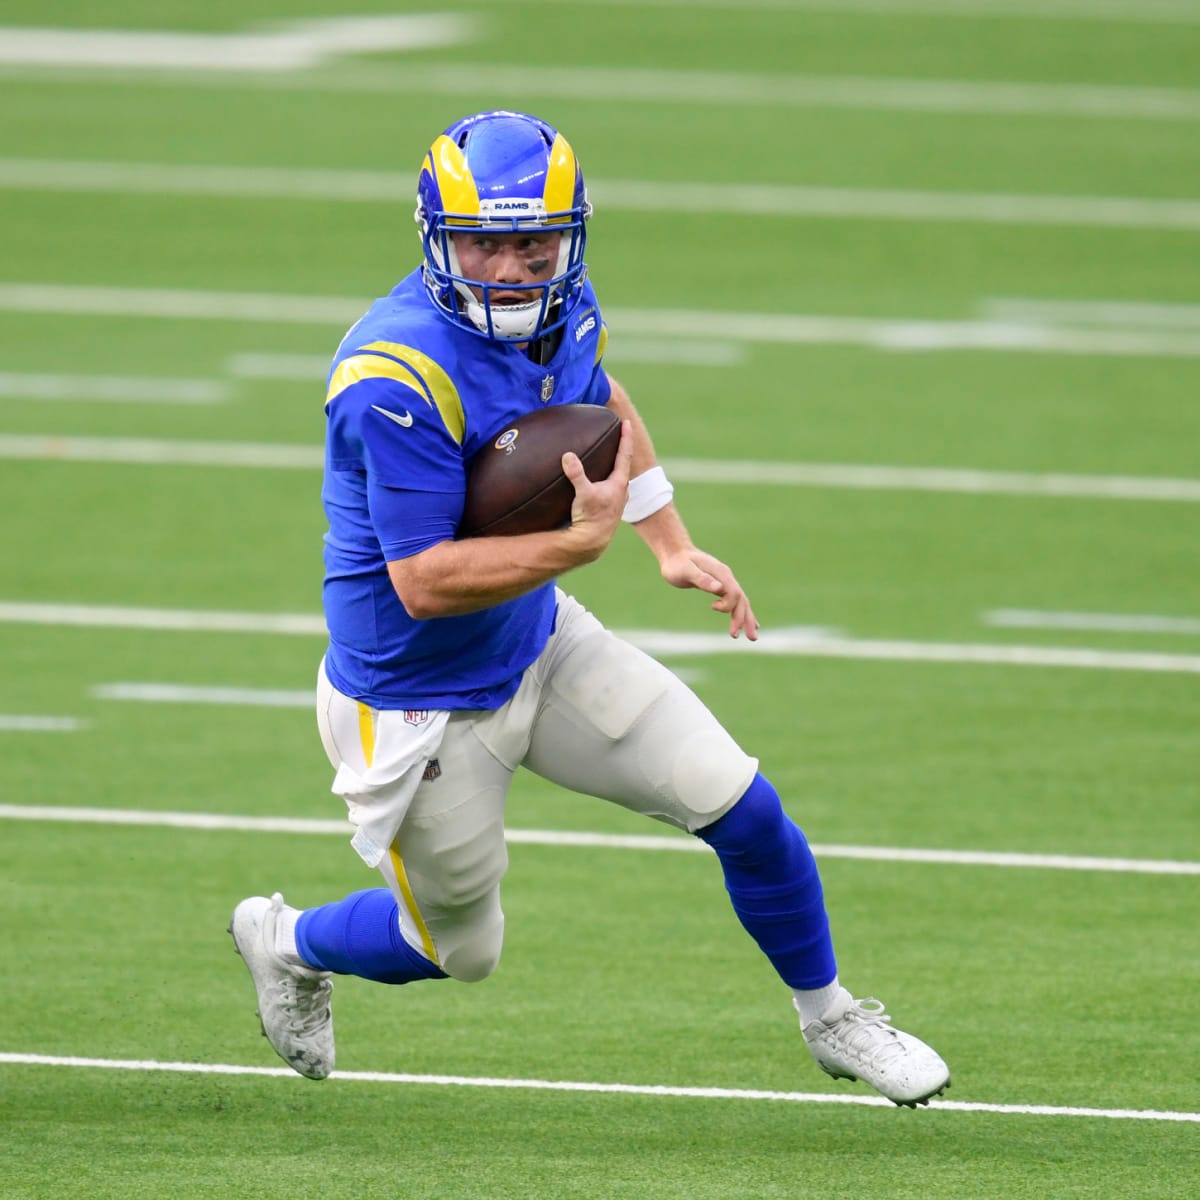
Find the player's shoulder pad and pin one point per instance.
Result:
(388, 355)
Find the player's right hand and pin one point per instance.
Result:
(598, 504)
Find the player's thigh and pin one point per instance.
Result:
(451, 842)
(617, 724)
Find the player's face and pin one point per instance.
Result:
(507, 258)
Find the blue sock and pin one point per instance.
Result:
(360, 935)
(773, 882)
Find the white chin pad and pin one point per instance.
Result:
(510, 322)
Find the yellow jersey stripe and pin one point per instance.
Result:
(602, 344)
(403, 364)
(437, 384)
(371, 366)
(411, 904)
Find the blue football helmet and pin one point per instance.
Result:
(504, 172)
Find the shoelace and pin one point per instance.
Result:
(306, 1002)
(859, 1028)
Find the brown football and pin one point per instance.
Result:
(515, 484)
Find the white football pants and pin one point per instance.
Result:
(592, 713)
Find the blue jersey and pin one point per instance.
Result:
(411, 398)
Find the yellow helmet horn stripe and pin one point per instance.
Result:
(559, 191)
(456, 185)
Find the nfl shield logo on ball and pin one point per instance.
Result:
(547, 388)
(416, 716)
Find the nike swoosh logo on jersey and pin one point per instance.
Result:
(405, 420)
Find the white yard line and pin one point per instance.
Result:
(951, 480)
(1024, 618)
(179, 693)
(155, 452)
(633, 195)
(193, 621)
(1108, 314)
(1165, 12)
(678, 352)
(178, 304)
(683, 352)
(964, 481)
(112, 389)
(644, 86)
(669, 843)
(295, 46)
(895, 334)
(22, 723)
(621, 1089)
(662, 643)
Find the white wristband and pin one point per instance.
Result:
(648, 492)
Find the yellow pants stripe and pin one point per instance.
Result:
(366, 731)
(411, 905)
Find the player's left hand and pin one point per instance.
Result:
(692, 568)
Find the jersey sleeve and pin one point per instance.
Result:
(599, 388)
(396, 419)
(395, 413)
(407, 522)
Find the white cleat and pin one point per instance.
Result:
(854, 1039)
(293, 1000)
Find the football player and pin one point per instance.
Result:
(454, 661)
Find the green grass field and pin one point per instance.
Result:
(920, 277)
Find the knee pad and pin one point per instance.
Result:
(469, 950)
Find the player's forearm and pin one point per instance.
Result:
(466, 576)
(643, 448)
(664, 532)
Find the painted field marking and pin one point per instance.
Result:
(669, 644)
(31, 723)
(1108, 314)
(178, 693)
(803, 641)
(621, 1089)
(1024, 618)
(643, 86)
(950, 480)
(155, 452)
(190, 620)
(610, 841)
(178, 304)
(114, 389)
(1165, 12)
(302, 368)
(877, 333)
(683, 352)
(763, 200)
(295, 46)
(961, 480)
